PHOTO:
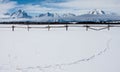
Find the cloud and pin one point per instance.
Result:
(86, 4)
(5, 6)
(89, 4)
(34, 8)
(37, 9)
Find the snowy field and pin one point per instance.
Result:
(76, 50)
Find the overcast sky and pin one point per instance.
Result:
(59, 5)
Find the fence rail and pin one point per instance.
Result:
(93, 26)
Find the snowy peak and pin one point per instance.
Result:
(68, 15)
(20, 14)
(97, 12)
(48, 14)
(98, 16)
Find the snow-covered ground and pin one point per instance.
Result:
(57, 50)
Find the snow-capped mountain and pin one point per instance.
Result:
(96, 16)
(48, 14)
(92, 16)
(20, 14)
(68, 15)
(97, 12)
(53, 17)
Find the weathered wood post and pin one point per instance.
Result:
(66, 27)
(87, 27)
(108, 26)
(28, 28)
(13, 27)
(48, 27)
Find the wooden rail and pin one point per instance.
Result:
(96, 26)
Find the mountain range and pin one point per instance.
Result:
(20, 14)
(92, 16)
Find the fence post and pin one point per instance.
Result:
(87, 27)
(13, 27)
(48, 27)
(108, 26)
(66, 27)
(28, 27)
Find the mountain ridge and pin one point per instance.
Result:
(20, 14)
(93, 15)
